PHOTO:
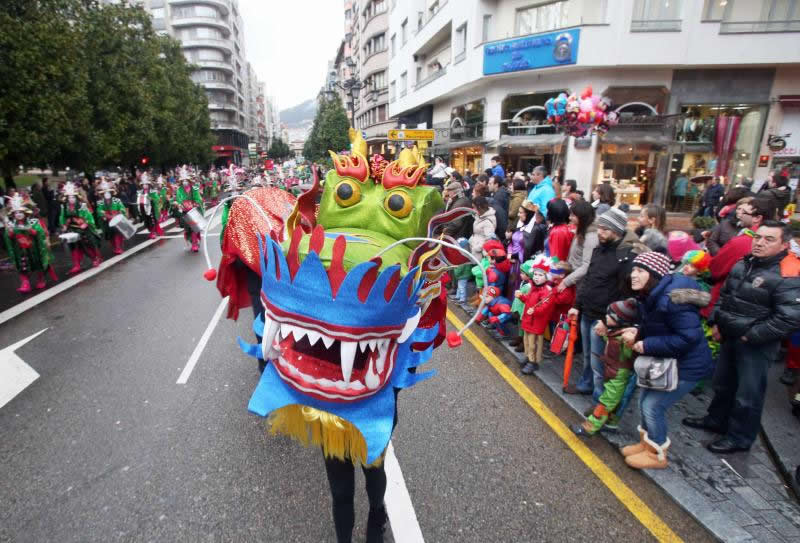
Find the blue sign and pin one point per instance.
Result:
(531, 52)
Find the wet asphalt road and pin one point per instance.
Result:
(105, 446)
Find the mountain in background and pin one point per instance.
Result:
(301, 115)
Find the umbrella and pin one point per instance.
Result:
(573, 335)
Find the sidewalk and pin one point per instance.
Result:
(739, 497)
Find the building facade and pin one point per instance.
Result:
(363, 57)
(700, 87)
(212, 36)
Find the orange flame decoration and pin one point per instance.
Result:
(355, 167)
(395, 175)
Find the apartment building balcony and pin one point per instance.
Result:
(195, 21)
(222, 106)
(224, 6)
(430, 77)
(218, 85)
(208, 43)
(214, 64)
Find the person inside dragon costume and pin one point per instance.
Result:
(352, 303)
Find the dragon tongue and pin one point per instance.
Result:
(347, 355)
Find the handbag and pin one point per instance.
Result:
(656, 373)
(559, 342)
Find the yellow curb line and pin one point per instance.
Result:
(629, 499)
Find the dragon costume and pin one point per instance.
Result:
(352, 304)
(26, 243)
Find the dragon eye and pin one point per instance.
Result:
(398, 204)
(347, 193)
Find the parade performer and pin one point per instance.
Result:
(352, 288)
(76, 219)
(165, 193)
(108, 206)
(148, 202)
(26, 244)
(187, 198)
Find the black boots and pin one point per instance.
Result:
(376, 525)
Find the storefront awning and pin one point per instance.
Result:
(457, 144)
(633, 137)
(528, 141)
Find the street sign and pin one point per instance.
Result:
(404, 135)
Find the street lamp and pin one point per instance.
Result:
(351, 86)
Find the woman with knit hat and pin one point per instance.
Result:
(669, 327)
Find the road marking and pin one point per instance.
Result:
(402, 518)
(624, 494)
(198, 350)
(15, 374)
(57, 289)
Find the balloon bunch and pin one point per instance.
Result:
(580, 115)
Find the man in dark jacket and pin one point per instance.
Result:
(454, 198)
(710, 198)
(758, 307)
(779, 190)
(499, 193)
(606, 281)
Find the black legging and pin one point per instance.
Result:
(341, 476)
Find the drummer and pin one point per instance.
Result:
(148, 202)
(188, 198)
(78, 227)
(164, 190)
(109, 206)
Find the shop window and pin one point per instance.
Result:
(535, 19)
(466, 121)
(731, 133)
(656, 16)
(524, 114)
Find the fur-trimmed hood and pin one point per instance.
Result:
(690, 296)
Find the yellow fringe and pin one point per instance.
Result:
(337, 437)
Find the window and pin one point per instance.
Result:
(656, 15)
(487, 23)
(403, 83)
(374, 8)
(376, 44)
(392, 90)
(379, 80)
(393, 45)
(420, 20)
(382, 113)
(461, 40)
(714, 9)
(542, 18)
(419, 74)
(761, 16)
(403, 33)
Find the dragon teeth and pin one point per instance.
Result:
(371, 379)
(313, 337)
(363, 345)
(383, 349)
(347, 353)
(328, 341)
(271, 328)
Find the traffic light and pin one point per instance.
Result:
(145, 160)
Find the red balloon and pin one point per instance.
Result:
(587, 92)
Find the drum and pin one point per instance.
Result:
(194, 220)
(69, 237)
(123, 225)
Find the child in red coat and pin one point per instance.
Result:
(539, 304)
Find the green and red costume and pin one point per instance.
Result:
(26, 244)
(107, 209)
(76, 218)
(186, 199)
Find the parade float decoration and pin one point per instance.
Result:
(580, 115)
(352, 296)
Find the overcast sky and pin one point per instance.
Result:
(289, 43)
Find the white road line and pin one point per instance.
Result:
(15, 374)
(198, 350)
(402, 518)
